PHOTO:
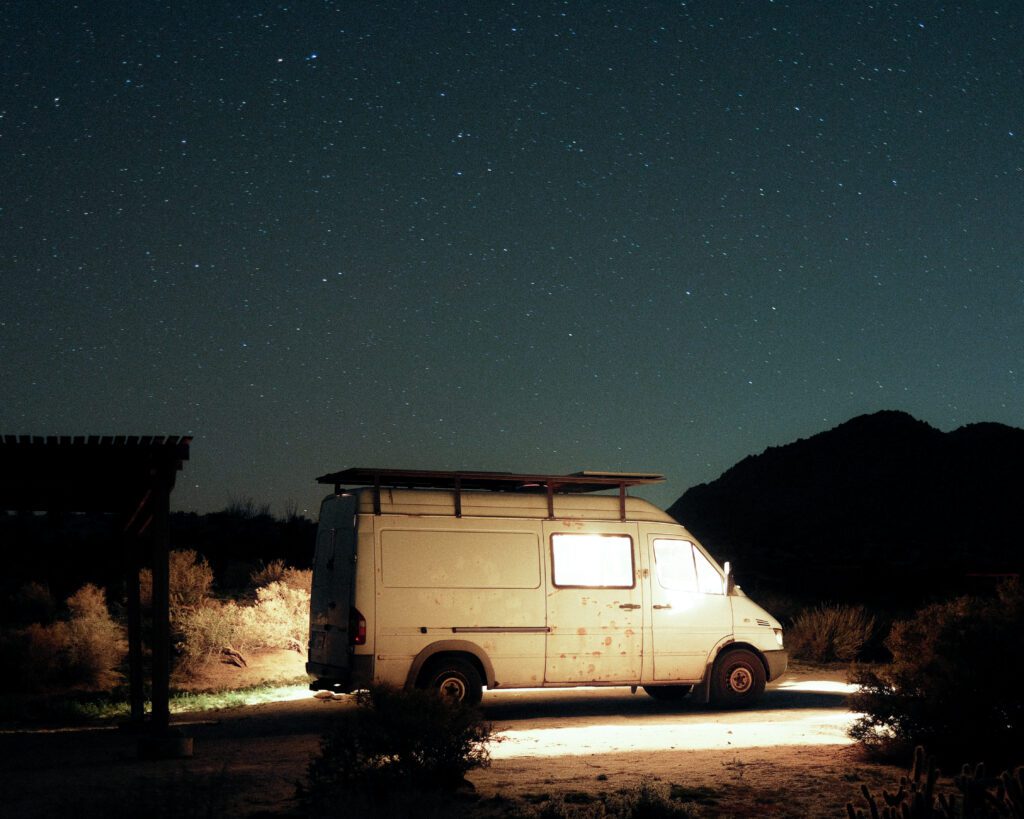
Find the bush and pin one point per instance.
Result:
(204, 631)
(31, 603)
(190, 579)
(830, 633)
(278, 619)
(276, 571)
(397, 741)
(647, 800)
(83, 649)
(97, 644)
(954, 682)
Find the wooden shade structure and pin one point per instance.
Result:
(132, 478)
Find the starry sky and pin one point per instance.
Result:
(530, 236)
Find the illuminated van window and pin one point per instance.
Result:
(673, 560)
(709, 580)
(600, 561)
(681, 566)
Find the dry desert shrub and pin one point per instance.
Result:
(83, 649)
(397, 740)
(205, 631)
(278, 619)
(31, 603)
(953, 684)
(190, 579)
(830, 633)
(277, 571)
(97, 644)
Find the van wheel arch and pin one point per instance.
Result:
(451, 649)
(454, 676)
(732, 646)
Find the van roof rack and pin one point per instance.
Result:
(587, 481)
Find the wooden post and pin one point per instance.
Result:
(130, 553)
(161, 500)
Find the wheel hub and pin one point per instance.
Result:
(453, 689)
(740, 680)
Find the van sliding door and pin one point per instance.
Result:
(595, 611)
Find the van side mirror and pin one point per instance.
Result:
(730, 581)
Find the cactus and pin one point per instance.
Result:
(915, 798)
(980, 797)
(1011, 792)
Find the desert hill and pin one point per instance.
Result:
(883, 508)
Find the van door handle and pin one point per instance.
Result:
(630, 606)
(662, 606)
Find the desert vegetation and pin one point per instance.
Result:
(829, 634)
(975, 795)
(405, 753)
(78, 647)
(273, 613)
(45, 645)
(953, 683)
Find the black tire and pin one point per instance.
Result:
(737, 679)
(668, 693)
(454, 678)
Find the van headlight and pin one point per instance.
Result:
(778, 636)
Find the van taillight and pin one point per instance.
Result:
(356, 627)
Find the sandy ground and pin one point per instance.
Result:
(790, 757)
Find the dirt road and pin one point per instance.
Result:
(789, 757)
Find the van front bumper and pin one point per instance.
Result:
(777, 661)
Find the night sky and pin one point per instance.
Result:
(531, 236)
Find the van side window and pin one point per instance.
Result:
(673, 561)
(681, 566)
(601, 561)
(709, 580)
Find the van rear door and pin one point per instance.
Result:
(331, 603)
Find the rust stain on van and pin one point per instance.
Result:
(581, 630)
(607, 641)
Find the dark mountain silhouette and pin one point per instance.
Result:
(883, 509)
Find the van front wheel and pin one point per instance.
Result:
(455, 679)
(737, 679)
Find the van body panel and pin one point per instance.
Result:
(477, 580)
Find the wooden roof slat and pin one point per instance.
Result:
(85, 473)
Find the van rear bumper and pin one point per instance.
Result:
(340, 678)
(328, 677)
(777, 661)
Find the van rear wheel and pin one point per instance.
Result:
(737, 679)
(453, 678)
(667, 693)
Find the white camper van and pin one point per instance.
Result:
(459, 580)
